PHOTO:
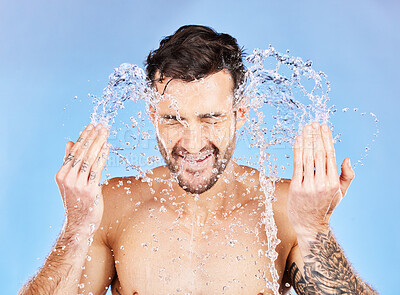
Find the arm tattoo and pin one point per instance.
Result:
(327, 270)
(298, 282)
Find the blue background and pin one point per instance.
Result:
(52, 51)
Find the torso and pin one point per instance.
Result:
(158, 251)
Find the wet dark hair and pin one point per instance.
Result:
(194, 52)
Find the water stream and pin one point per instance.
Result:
(283, 93)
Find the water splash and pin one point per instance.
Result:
(127, 82)
(283, 93)
(296, 95)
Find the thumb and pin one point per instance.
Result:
(69, 146)
(347, 175)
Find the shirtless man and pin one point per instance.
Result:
(203, 234)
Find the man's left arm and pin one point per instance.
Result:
(317, 264)
(323, 268)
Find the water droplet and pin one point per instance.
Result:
(91, 229)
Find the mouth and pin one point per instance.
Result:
(198, 161)
(193, 159)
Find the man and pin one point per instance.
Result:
(202, 233)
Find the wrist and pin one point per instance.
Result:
(75, 234)
(310, 232)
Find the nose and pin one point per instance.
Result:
(194, 138)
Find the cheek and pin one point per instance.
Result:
(220, 135)
(169, 135)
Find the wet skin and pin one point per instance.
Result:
(158, 240)
(203, 234)
(152, 247)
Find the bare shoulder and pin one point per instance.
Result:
(251, 179)
(122, 193)
(122, 197)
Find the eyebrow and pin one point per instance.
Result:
(201, 116)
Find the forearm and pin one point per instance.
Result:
(326, 269)
(62, 270)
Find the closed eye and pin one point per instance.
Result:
(170, 119)
(213, 118)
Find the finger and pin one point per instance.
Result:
(331, 167)
(98, 165)
(85, 141)
(72, 153)
(90, 157)
(319, 155)
(82, 142)
(347, 176)
(68, 147)
(298, 161)
(308, 155)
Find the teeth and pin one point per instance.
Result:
(191, 158)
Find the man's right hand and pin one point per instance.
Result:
(79, 180)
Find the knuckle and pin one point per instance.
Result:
(60, 176)
(321, 188)
(69, 184)
(308, 190)
(334, 187)
(84, 190)
(79, 190)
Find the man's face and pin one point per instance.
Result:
(196, 127)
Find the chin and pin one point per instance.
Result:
(196, 184)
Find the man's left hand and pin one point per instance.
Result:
(316, 188)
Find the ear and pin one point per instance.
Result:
(241, 116)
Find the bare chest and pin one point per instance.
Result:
(163, 255)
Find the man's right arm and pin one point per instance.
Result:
(73, 266)
(79, 183)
